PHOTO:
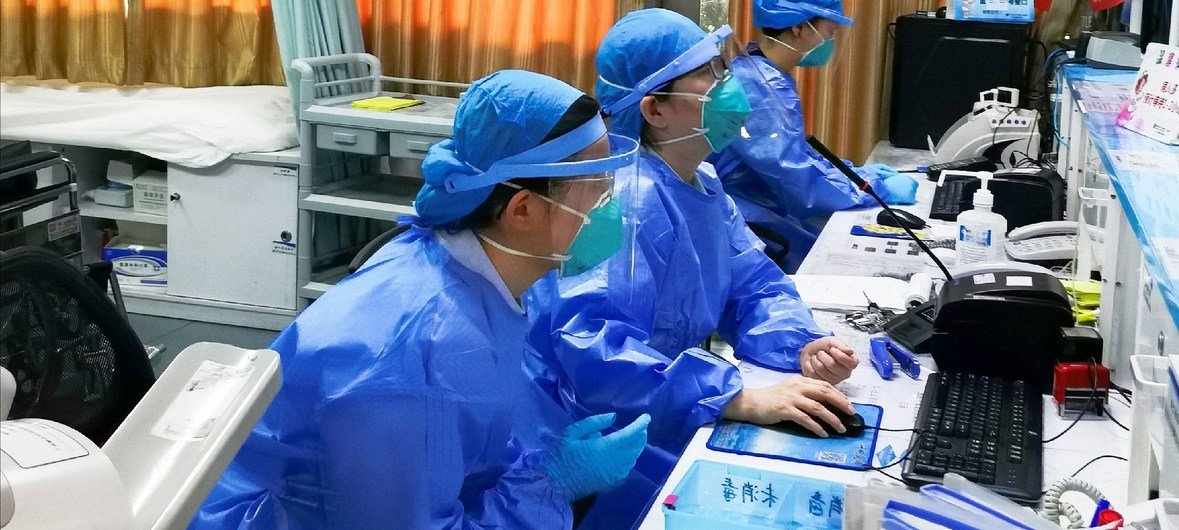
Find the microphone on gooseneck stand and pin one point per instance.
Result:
(867, 188)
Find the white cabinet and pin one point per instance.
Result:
(232, 233)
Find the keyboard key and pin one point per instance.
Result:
(932, 471)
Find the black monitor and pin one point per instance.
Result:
(941, 65)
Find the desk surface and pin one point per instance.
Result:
(900, 396)
(833, 251)
(1144, 173)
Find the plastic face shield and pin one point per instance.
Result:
(553, 159)
(719, 43)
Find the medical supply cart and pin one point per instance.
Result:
(357, 165)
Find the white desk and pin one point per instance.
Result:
(1062, 457)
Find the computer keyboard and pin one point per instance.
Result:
(949, 199)
(983, 428)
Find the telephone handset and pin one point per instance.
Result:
(1048, 241)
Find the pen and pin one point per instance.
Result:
(878, 354)
(908, 363)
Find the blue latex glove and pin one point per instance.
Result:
(882, 171)
(898, 189)
(585, 462)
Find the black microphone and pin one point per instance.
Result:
(867, 188)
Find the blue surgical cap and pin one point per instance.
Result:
(639, 45)
(503, 118)
(780, 14)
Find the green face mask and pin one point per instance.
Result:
(599, 237)
(722, 113)
(597, 240)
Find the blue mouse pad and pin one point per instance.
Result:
(845, 453)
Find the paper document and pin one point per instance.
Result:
(853, 292)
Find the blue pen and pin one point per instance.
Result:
(908, 363)
(878, 354)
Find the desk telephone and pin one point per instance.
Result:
(1047, 241)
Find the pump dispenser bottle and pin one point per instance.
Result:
(981, 232)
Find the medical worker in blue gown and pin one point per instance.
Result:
(402, 385)
(779, 183)
(625, 336)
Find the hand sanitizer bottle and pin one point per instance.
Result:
(981, 232)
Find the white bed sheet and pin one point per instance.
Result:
(193, 127)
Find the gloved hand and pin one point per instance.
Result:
(898, 189)
(584, 461)
(882, 171)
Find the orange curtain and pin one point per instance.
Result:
(846, 103)
(193, 43)
(76, 40)
(464, 40)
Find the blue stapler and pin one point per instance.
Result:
(881, 359)
(909, 364)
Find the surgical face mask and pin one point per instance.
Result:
(723, 111)
(819, 55)
(598, 237)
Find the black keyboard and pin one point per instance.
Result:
(983, 428)
(949, 199)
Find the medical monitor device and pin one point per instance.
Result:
(996, 129)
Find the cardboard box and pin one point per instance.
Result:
(136, 263)
(151, 193)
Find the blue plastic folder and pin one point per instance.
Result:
(844, 453)
(959, 505)
(716, 496)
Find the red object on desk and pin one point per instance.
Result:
(1078, 376)
(1109, 516)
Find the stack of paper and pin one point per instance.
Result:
(853, 292)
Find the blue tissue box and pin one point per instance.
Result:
(717, 496)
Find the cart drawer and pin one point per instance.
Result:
(362, 141)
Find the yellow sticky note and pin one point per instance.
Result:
(385, 103)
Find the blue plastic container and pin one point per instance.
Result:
(715, 496)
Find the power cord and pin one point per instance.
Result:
(912, 447)
(1102, 457)
(1115, 420)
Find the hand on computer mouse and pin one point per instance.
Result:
(828, 359)
(799, 399)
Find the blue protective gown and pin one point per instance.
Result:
(623, 336)
(777, 180)
(401, 386)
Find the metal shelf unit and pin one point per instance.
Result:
(330, 129)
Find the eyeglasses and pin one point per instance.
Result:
(720, 67)
(603, 199)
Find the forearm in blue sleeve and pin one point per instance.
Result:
(396, 461)
(765, 319)
(797, 175)
(612, 369)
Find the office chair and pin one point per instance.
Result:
(777, 247)
(75, 358)
(374, 245)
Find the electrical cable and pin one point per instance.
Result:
(1115, 457)
(1115, 420)
(909, 452)
(1125, 392)
(891, 430)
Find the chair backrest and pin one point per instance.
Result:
(75, 358)
(373, 246)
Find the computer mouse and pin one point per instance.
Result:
(854, 423)
(909, 220)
